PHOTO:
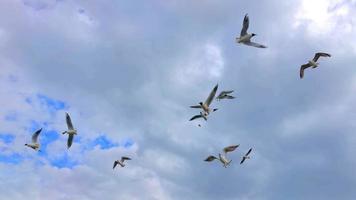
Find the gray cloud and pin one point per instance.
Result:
(131, 70)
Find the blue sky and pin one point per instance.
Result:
(127, 73)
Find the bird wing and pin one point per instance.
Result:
(35, 135)
(243, 160)
(70, 140)
(221, 95)
(115, 163)
(228, 92)
(230, 148)
(69, 122)
(249, 151)
(211, 95)
(302, 68)
(230, 97)
(197, 106)
(123, 158)
(320, 54)
(253, 44)
(195, 117)
(210, 158)
(245, 26)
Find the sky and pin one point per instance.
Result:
(127, 72)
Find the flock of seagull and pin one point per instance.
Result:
(245, 38)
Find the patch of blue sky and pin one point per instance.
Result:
(50, 103)
(14, 158)
(46, 138)
(128, 143)
(103, 142)
(64, 161)
(7, 138)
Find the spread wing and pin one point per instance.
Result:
(230, 97)
(320, 54)
(253, 44)
(302, 68)
(70, 140)
(197, 106)
(210, 158)
(69, 122)
(245, 26)
(115, 163)
(227, 92)
(195, 117)
(211, 95)
(249, 151)
(230, 148)
(243, 160)
(35, 135)
(123, 158)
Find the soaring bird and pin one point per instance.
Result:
(246, 156)
(35, 145)
(312, 63)
(245, 38)
(225, 95)
(222, 158)
(206, 104)
(71, 131)
(121, 162)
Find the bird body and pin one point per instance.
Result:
(312, 63)
(225, 95)
(222, 157)
(245, 38)
(224, 160)
(120, 162)
(246, 156)
(206, 104)
(71, 131)
(35, 145)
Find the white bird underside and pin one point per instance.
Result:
(35, 144)
(71, 131)
(312, 63)
(245, 38)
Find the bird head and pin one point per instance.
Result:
(254, 34)
(201, 103)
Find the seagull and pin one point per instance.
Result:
(35, 145)
(246, 156)
(206, 104)
(121, 162)
(71, 131)
(225, 95)
(312, 63)
(222, 158)
(245, 38)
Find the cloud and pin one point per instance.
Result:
(127, 73)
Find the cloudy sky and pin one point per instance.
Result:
(127, 72)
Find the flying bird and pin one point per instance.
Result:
(121, 162)
(35, 145)
(206, 104)
(71, 131)
(245, 38)
(312, 63)
(246, 156)
(222, 158)
(225, 95)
